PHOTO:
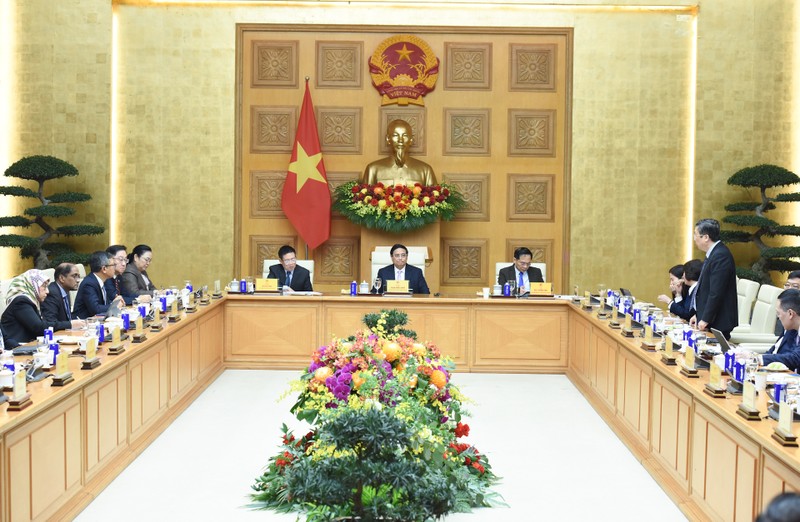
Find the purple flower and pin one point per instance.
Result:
(314, 366)
(444, 419)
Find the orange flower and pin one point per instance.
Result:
(438, 379)
(322, 373)
(392, 351)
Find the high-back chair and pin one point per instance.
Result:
(501, 265)
(381, 258)
(762, 321)
(746, 291)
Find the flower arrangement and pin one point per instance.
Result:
(397, 208)
(386, 422)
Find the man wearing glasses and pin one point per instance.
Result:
(113, 284)
(291, 276)
(521, 272)
(56, 309)
(92, 298)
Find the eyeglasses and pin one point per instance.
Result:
(787, 284)
(146, 260)
(123, 260)
(292, 260)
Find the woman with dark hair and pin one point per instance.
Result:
(135, 280)
(677, 288)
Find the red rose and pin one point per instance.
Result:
(480, 468)
(355, 189)
(445, 192)
(374, 202)
(462, 430)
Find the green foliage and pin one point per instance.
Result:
(15, 221)
(750, 221)
(18, 191)
(80, 230)
(390, 322)
(793, 196)
(49, 211)
(782, 265)
(747, 205)
(41, 168)
(787, 230)
(17, 241)
(788, 251)
(763, 176)
(68, 197)
(734, 236)
(752, 275)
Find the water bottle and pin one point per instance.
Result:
(7, 360)
(243, 286)
(188, 286)
(126, 320)
(507, 289)
(353, 288)
(48, 335)
(364, 288)
(101, 331)
(53, 353)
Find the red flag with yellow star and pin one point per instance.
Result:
(306, 200)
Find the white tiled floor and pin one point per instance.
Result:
(558, 459)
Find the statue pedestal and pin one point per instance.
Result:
(428, 236)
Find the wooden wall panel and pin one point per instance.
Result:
(602, 367)
(634, 381)
(106, 412)
(149, 388)
(184, 361)
(776, 478)
(671, 428)
(211, 333)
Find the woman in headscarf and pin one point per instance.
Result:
(22, 318)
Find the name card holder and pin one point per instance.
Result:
(668, 357)
(204, 298)
(395, 287)
(267, 286)
(627, 330)
(190, 306)
(687, 368)
(62, 376)
(116, 347)
(541, 290)
(21, 398)
(783, 433)
(613, 323)
(649, 343)
(586, 303)
(138, 334)
(747, 408)
(714, 385)
(90, 361)
(173, 316)
(156, 325)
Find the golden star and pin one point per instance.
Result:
(404, 54)
(305, 167)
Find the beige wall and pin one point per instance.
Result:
(632, 118)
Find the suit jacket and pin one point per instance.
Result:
(301, 277)
(132, 283)
(684, 309)
(716, 301)
(509, 274)
(789, 353)
(412, 274)
(111, 290)
(89, 301)
(8, 342)
(22, 322)
(53, 308)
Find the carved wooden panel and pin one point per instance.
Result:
(533, 67)
(339, 129)
(466, 261)
(414, 116)
(266, 247)
(335, 179)
(466, 132)
(511, 337)
(530, 197)
(468, 66)
(531, 132)
(272, 129)
(266, 187)
(474, 189)
(339, 65)
(541, 249)
(274, 63)
(336, 261)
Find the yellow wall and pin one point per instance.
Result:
(632, 117)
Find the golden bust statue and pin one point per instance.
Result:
(399, 168)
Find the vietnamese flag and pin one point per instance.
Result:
(306, 200)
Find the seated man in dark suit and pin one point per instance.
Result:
(401, 270)
(521, 272)
(113, 284)
(92, 298)
(684, 307)
(56, 306)
(787, 349)
(290, 275)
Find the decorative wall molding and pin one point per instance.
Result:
(531, 132)
(542, 250)
(266, 188)
(533, 67)
(339, 129)
(465, 261)
(414, 116)
(273, 129)
(530, 197)
(467, 132)
(336, 261)
(265, 247)
(468, 66)
(339, 65)
(275, 63)
(475, 190)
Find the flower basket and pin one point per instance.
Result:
(396, 208)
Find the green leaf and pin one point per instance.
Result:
(750, 221)
(18, 241)
(782, 265)
(793, 196)
(40, 168)
(68, 197)
(787, 230)
(15, 221)
(763, 176)
(747, 205)
(18, 191)
(787, 251)
(50, 211)
(80, 230)
(752, 275)
(734, 236)
(76, 258)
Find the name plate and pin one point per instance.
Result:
(541, 288)
(715, 375)
(139, 326)
(628, 321)
(61, 364)
(266, 285)
(688, 355)
(648, 334)
(668, 346)
(785, 416)
(115, 335)
(397, 287)
(91, 348)
(20, 385)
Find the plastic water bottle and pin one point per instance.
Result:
(507, 289)
(7, 360)
(353, 288)
(189, 286)
(54, 353)
(243, 286)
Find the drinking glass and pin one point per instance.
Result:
(512, 283)
(377, 284)
(751, 367)
(700, 339)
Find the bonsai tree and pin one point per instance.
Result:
(771, 257)
(45, 253)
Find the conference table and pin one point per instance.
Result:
(60, 452)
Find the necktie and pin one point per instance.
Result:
(116, 285)
(103, 291)
(66, 307)
(288, 278)
(399, 275)
(521, 283)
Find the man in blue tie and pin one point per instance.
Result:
(786, 350)
(92, 298)
(56, 306)
(521, 272)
